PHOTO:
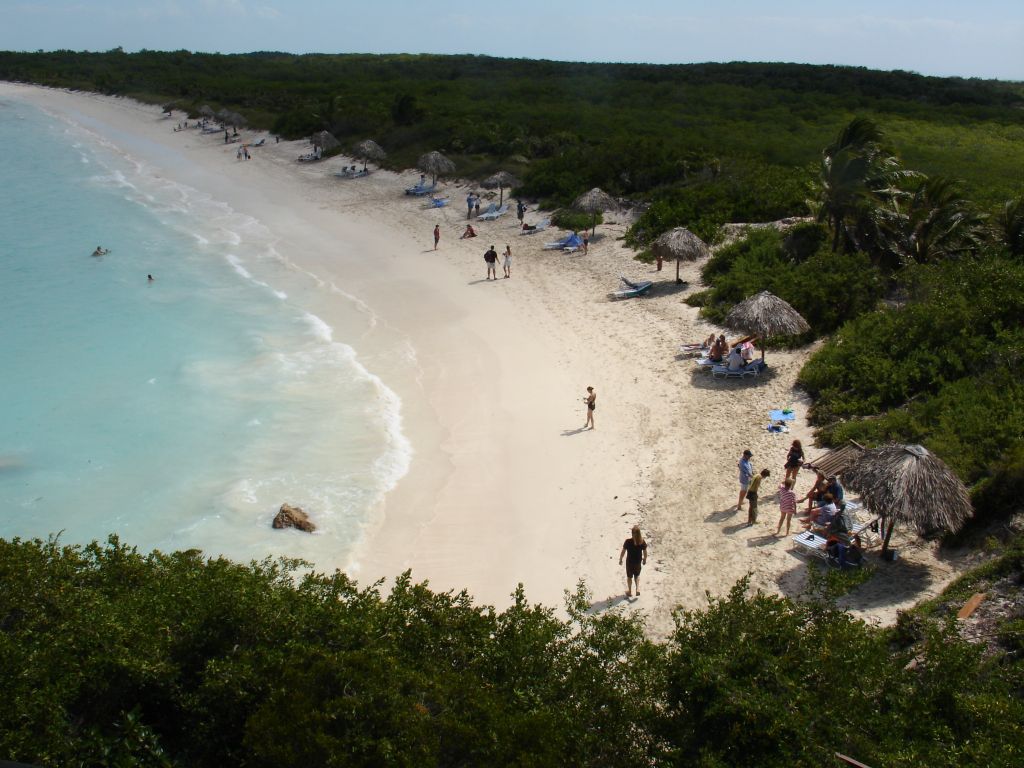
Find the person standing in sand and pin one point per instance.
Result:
(437, 235)
(746, 475)
(634, 549)
(794, 460)
(508, 260)
(755, 485)
(491, 257)
(787, 504)
(591, 401)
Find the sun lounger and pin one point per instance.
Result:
(752, 369)
(493, 213)
(705, 364)
(540, 226)
(692, 350)
(811, 544)
(569, 241)
(436, 202)
(420, 190)
(630, 289)
(259, 143)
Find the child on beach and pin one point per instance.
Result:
(787, 504)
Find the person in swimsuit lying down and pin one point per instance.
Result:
(591, 401)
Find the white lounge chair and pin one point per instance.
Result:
(540, 226)
(812, 544)
(493, 213)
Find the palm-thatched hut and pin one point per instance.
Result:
(500, 180)
(368, 149)
(324, 140)
(766, 315)
(679, 244)
(435, 164)
(909, 484)
(595, 201)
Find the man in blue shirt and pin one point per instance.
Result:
(746, 474)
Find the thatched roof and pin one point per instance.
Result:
(368, 149)
(595, 201)
(499, 179)
(435, 163)
(680, 243)
(766, 315)
(325, 140)
(206, 110)
(909, 484)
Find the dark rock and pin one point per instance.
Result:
(293, 517)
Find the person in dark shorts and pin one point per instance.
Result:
(634, 549)
(437, 235)
(591, 401)
(491, 257)
(752, 490)
(794, 460)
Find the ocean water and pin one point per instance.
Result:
(180, 412)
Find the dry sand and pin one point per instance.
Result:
(504, 486)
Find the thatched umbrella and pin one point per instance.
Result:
(325, 140)
(765, 314)
(595, 201)
(435, 164)
(369, 150)
(206, 110)
(679, 244)
(501, 179)
(909, 484)
(169, 108)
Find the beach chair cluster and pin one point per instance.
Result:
(719, 369)
(352, 172)
(844, 550)
(421, 189)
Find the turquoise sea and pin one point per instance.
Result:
(179, 412)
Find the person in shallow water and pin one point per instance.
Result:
(100, 251)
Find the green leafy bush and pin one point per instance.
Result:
(577, 221)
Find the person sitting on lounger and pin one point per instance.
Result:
(470, 232)
(822, 516)
(816, 490)
(735, 361)
(718, 350)
(747, 350)
(709, 342)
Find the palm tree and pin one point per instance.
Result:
(938, 223)
(859, 188)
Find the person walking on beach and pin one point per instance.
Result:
(520, 212)
(634, 549)
(469, 205)
(437, 235)
(586, 242)
(746, 475)
(787, 505)
(591, 401)
(755, 484)
(508, 260)
(794, 460)
(491, 257)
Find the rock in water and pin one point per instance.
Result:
(293, 517)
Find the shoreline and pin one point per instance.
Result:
(503, 487)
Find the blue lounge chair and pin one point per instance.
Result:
(421, 190)
(436, 202)
(572, 241)
(630, 289)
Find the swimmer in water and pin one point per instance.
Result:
(100, 251)
(149, 278)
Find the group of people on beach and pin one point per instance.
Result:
(826, 508)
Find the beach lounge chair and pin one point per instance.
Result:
(630, 289)
(420, 190)
(488, 211)
(571, 241)
(436, 202)
(540, 226)
(692, 350)
(259, 143)
(811, 544)
(751, 369)
(493, 213)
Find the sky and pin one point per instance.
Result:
(983, 38)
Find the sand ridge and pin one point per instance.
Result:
(505, 486)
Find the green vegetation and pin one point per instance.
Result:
(706, 144)
(110, 657)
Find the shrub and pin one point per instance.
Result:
(577, 221)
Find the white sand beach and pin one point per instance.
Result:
(504, 486)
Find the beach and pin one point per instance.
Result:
(504, 486)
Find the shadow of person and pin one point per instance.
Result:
(571, 432)
(729, 530)
(762, 541)
(720, 515)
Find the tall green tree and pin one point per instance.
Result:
(937, 222)
(1010, 225)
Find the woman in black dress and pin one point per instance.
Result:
(794, 460)
(634, 549)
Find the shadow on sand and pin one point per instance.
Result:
(721, 515)
(600, 606)
(571, 432)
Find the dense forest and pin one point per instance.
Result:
(113, 658)
(910, 266)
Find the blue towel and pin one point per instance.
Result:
(778, 415)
